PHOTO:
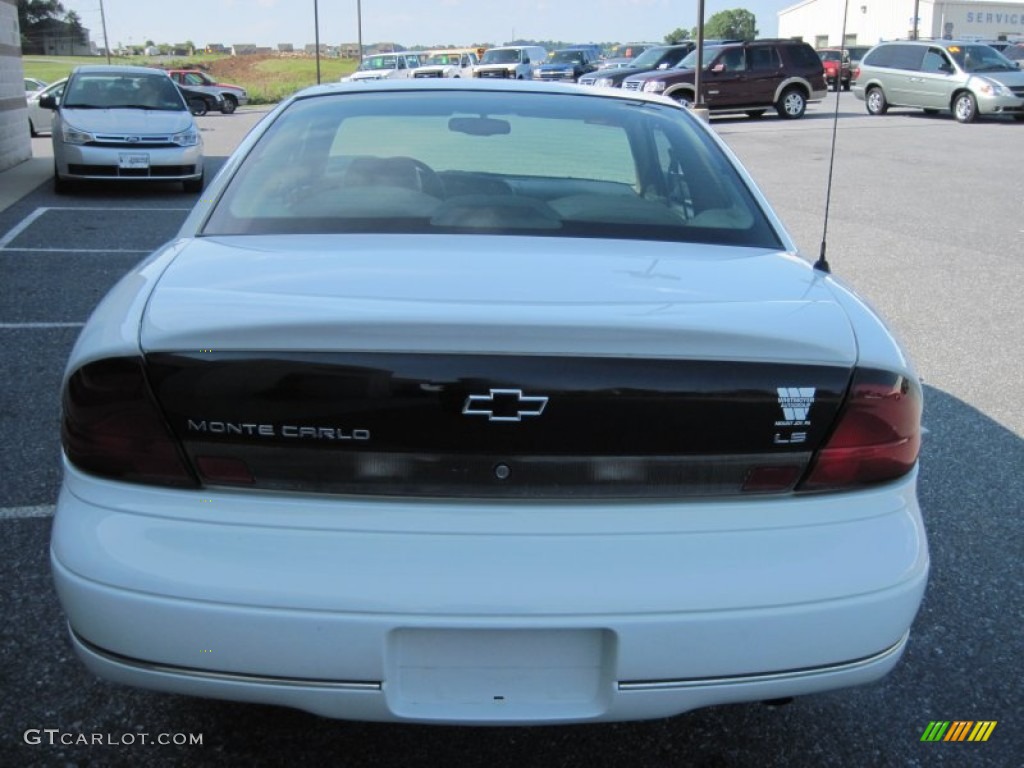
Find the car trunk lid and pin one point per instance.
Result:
(511, 367)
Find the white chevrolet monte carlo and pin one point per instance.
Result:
(487, 402)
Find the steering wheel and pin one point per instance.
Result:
(426, 177)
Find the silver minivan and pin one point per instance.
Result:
(968, 79)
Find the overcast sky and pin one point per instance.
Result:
(409, 22)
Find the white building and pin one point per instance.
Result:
(820, 22)
(15, 144)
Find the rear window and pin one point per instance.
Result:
(489, 163)
(804, 56)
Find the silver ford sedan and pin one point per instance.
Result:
(459, 401)
(123, 123)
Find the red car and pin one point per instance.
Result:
(838, 71)
(233, 96)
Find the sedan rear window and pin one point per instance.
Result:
(477, 162)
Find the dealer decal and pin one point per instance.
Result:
(796, 404)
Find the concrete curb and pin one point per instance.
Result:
(18, 181)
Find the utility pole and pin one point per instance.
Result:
(698, 99)
(103, 22)
(917, 9)
(359, 29)
(316, 37)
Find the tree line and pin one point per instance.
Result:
(38, 17)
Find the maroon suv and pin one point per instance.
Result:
(750, 77)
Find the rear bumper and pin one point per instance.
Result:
(486, 613)
(607, 700)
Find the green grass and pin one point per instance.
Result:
(274, 79)
(269, 81)
(53, 68)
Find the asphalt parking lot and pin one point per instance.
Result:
(925, 223)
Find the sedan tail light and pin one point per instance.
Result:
(112, 427)
(877, 435)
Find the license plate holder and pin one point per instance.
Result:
(500, 675)
(133, 161)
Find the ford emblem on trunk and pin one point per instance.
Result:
(504, 405)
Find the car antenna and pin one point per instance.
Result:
(822, 264)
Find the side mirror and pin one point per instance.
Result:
(526, 59)
(49, 101)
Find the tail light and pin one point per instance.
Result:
(877, 434)
(112, 427)
(856, 73)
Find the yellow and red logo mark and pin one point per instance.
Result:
(959, 730)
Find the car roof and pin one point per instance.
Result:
(941, 42)
(477, 84)
(116, 69)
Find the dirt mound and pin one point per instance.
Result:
(237, 68)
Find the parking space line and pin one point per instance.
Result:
(75, 250)
(31, 219)
(35, 326)
(24, 513)
(24, 224)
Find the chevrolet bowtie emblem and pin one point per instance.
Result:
(504, 405)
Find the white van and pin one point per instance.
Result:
(386, 66)
(453, 62)
(515, 62)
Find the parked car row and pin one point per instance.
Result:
(127, 122)
(966, 78)
(515, 62)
